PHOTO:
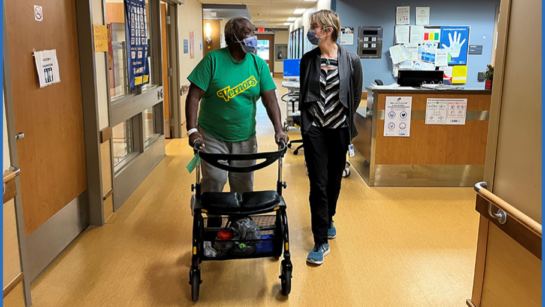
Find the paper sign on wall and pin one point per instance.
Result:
(397, 119)
(446, 111)
(459, 74)
(47, 66)
(417, 34)
(402, 34)
(347, 36)
(403, 15)
(423, 16)
(101, 38)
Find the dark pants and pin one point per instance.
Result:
(325, 155)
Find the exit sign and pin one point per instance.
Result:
(260, 29)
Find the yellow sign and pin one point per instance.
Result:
(101, 38)
(459, 74)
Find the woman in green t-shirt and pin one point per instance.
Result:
(228, 82)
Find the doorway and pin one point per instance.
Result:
(265, 49)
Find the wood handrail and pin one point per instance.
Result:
(511, 211)
(13, 284)
(9, 176)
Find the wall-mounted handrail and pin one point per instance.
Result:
(506, 210)
(11, 174)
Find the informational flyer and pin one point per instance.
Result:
(417, 34)
(440, 111)
(137, 42)
(397, 118)
(441, 57)
(455, 40)
(422, 16)
(347, 36)
(432, 34)
(47, 66)
(402, 34)
(403, 16)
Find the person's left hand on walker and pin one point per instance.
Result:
(281, 136)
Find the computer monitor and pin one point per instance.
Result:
(291, 68)
(417, 77)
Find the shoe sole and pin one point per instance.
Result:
(318, 262)
(332, 237)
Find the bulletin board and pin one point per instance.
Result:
(432, 48)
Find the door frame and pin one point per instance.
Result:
(174, 80)
(14, 161)
(264, 36)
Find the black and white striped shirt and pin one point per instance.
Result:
(329, 112)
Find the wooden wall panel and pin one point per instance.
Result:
(434, 144)
(11, 262)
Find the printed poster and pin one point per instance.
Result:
(397, 119)
(459, 74)
(455, 40)
(446, 111)
(47, 66)
(347, 36)
(403, 15)
(137, 42)
(422, 16)
(432, 34)
(191, 44)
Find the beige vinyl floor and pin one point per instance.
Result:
(395, 247)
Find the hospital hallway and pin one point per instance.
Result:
(395, 246)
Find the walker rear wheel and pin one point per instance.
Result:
(286, 279)
(195, 281)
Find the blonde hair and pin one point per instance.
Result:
(327, 19)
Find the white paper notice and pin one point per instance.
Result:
(436, 112)
(397, 119)
(413, 49)
(47, 67)
(446, 111)
(407, 65)
(347, 36)
(423, 16)
(417, 34)
(441, 57)
(399, 53)
(419, 65)
(403, 15)
(402, 34)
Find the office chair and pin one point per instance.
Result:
(297, 121)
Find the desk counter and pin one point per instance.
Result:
(433, 155)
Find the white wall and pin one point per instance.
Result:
(280, 38)
(189, 19)
(305, 19)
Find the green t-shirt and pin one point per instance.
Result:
(228, 107)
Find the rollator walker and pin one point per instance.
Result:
(267, 209)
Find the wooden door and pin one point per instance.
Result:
(265, 49)
(507, 273)
(52, 153)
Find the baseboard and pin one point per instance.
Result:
(46, 243)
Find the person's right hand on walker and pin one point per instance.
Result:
(194, 137)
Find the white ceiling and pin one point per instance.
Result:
(269, 13)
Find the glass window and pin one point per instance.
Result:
(123, 141)
(151, 131)
(117, 48)
(263, 49)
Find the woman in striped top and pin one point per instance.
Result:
(331, 87)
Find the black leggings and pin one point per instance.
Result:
(325, 155)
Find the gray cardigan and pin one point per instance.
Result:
(351, 83)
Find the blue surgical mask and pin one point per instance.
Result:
(311, 35)
(249, 44)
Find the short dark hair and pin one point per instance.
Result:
(232, 27)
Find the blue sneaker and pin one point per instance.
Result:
(332, 231)
(317, 254)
